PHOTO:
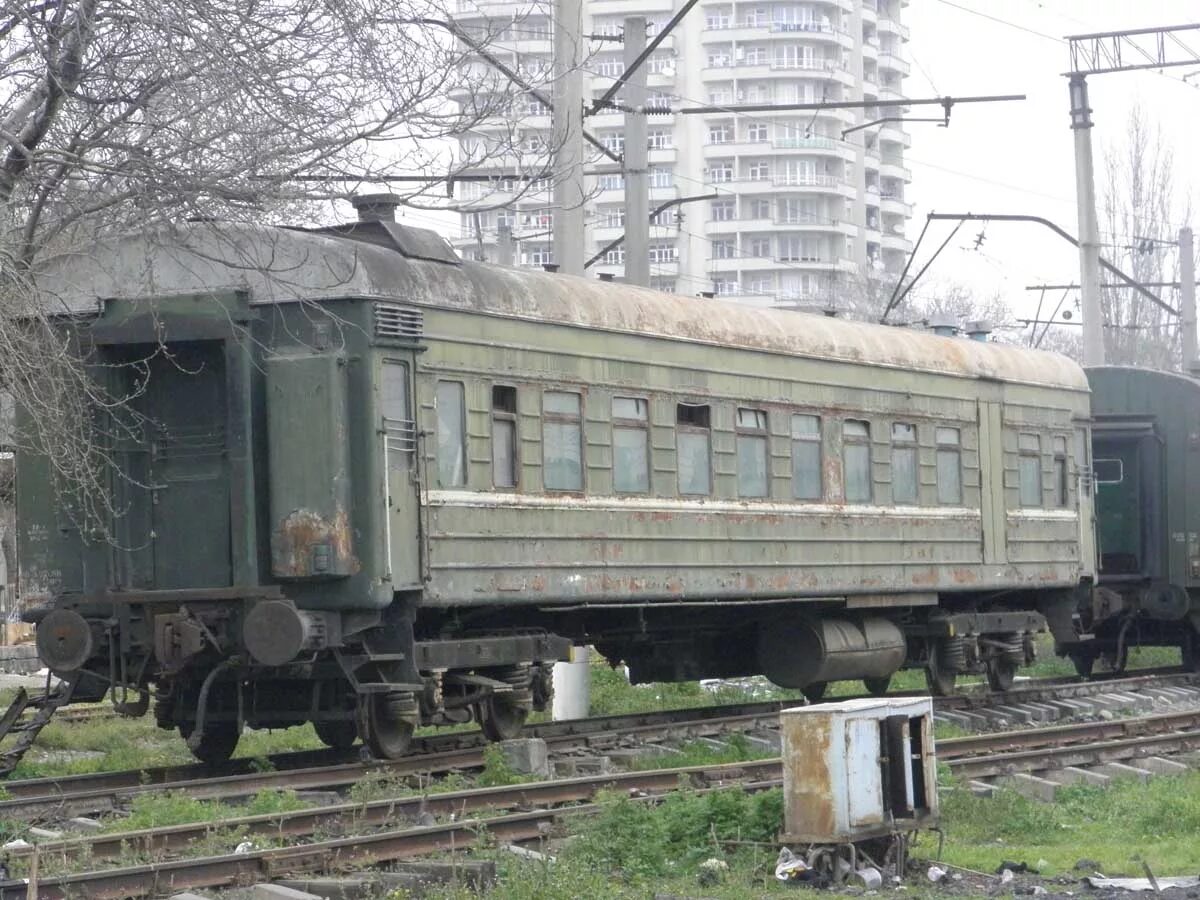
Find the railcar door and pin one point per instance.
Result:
(1125, 459)
(401, 475)
(172, 495)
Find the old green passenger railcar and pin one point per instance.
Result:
(362, 483)
(1146, 447)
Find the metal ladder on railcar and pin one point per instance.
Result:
(25, 717)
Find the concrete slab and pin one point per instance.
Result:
(771, 741)
(45, 834)
(1161, 766)
(981, 788)
(1073, 775)
(1047, 712)
(1071, 707)
(189, 897)
(527, 756)
(1015, 714)
(575, 766)
(83, 823)
(1032, 786)
(280, 892)
(1121, 770)
(957, 719)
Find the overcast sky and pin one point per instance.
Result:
(1019, 157)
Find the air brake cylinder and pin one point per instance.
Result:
(275, 632)
(804, 651)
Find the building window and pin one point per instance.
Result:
(856, 460)
(666, 285)
(793, 248)
(721, 133)
(451, 434)
(725, 287)
(752, 453)
(562, 442)
(611, 182)
(949, 466)
(613, 217)
(615, 256)
(692, 440)
(759, 247)
(724, 210)
(756, 133)
(723, 249)
(755, 56)
(904, 462)
(759, 171)
(720, 171)
(631, 445)
(663, 253)
(806, 457)
(717, 18)
(504, 436)
(763, 285)
(660, 139)
(1061, 493)
(613, 140)
(661, 177)
(760, 209)
(720, 96)
(1029, 466)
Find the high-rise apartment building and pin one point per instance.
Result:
(805, 215)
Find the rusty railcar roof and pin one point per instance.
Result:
(287, 265)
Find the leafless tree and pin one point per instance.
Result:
(127, 113)
(1140, 212)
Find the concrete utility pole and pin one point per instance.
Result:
(1099, 54)
(637, 159)
(567, 134)
(505, 252)
(1187, 298)
(1089, 227)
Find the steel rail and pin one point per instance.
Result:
(365, 849)
(970, 757)
(597, 731)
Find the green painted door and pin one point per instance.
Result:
(1117, 466)
(174, 512)
(399, 438)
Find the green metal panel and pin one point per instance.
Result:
(175, 530)
(311, 536)
(1119, 506)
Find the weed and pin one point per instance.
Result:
(496, 770)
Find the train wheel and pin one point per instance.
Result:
(337, 734)
(877, 687)
(499, 719)
(815, 691)
(387, 722)
(1000, 673)
(217, 743)
(938, 678)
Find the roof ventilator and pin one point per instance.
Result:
(398, 322)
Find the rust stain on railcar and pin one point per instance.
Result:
(305, 544)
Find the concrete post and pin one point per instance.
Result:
(1089, 229)
(568, 137)
(572, 686)
(505, 252)
(1187, 298)
(637, 160)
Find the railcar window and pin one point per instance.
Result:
(631, 445)
(1030, 469)
(904, 462)
(562, 442)
(751, 452)
(451, 434)
(693, 440)
(949, 466)
(1060, 472)
(504, 436)
(398, 426)
(806, 457)
(856, 460)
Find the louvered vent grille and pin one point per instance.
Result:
(398, 322)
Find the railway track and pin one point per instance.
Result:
(596, 732)
(510, 817)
